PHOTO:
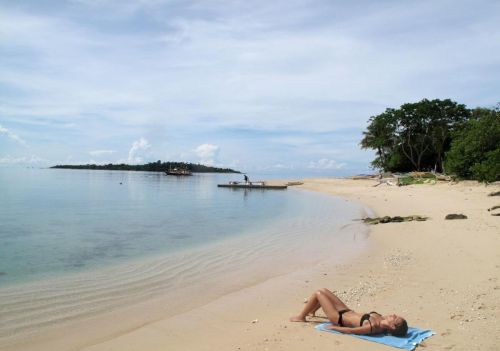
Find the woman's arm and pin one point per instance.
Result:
(364, 330)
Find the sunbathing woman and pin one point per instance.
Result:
(348, 321)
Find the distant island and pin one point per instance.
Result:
(157, 166)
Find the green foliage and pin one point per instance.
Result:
(475, 150)
(408, 180)
(152, 167)
(415, 136)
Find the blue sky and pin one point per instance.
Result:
(261, 86)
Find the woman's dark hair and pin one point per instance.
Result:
(401, 329)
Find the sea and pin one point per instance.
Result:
(77, 243)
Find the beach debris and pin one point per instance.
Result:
(395, 219)
(444, 178)
(455, 216)
(385, 181)
(495, 193)
(494, 208)
(401, 179)
(255, 321)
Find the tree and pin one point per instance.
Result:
(379, 136)
(415, 136)
(475, 149)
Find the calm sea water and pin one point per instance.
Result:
(74, 243)
(59, 221)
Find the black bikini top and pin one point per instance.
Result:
(366, 317)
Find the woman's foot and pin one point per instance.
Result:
(297, 319)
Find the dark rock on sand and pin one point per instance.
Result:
(495, 193)
(395, 219)
(385, 219)
(455, 216)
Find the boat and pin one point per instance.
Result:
(179, 172)
(252, 185)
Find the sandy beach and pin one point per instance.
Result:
(439, 274)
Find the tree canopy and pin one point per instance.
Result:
(475, 149)
(415, 136)
(157, 166)
(418, 136)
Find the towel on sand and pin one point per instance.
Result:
(412, 339)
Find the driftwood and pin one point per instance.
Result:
(385, 181)
(494, 208)
(455, 216)
(395, 219)
(495, 193)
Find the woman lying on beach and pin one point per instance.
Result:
(348, 321)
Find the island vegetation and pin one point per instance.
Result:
(439, 136)
(157, 166)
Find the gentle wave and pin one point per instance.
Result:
(31, 308)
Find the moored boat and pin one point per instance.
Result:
(179, 172)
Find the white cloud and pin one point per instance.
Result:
(318, 67)
(101, 152)
(138, 150)
(30, 160)
(207, 153)
(325, 163)
(11, 135)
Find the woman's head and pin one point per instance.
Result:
(396, 325)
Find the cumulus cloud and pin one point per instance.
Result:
(11, 135)
(207, 153)
(138, 150)
(101, 152)
(325, 163)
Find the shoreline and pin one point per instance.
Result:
(441, 275)
(250, 261)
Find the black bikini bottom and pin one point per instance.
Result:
(340, 317)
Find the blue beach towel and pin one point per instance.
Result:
(412, 339)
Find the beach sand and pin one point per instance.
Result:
(439, 274)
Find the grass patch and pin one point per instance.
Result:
(408, 180)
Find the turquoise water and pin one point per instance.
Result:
(59, 221)
(76, 244)
(54, 222)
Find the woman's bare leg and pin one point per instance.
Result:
(328, 300)
(308, 308)
(337, 303)
(313, 312)
(328, 307)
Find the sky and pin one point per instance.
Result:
(258, 86)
